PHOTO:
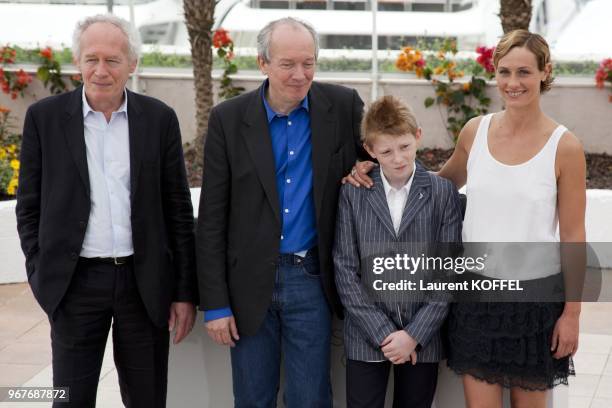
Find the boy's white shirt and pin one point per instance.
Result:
(396, 199)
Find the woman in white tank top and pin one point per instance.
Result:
(525, 181)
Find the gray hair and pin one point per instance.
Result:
(265, 35)
(132, 36)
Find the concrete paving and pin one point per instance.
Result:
(25, 353)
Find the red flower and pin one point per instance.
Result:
(420, 63)
(485, 58)
(46, 53)
(604, 72)
(221, 38)
(76, 77)
(23, 78)
(13, 95)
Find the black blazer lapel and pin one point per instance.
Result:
(417, 197)
(259, 145)
(138, 136)
(74, 133)
(378, 200)
(323, 128)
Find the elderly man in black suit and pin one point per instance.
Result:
(106, 224)
(273, 162)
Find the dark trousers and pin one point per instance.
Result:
(101, 294)
(366, 384)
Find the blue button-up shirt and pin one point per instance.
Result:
(292, 150)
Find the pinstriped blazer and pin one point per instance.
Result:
(364, 229)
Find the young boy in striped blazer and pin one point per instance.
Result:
(406, 207)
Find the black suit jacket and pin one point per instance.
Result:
(53, 201)
(239, 223)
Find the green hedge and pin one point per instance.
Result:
(341, 64)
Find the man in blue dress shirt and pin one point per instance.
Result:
(273, 162)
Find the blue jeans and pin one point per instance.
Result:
(298, 325)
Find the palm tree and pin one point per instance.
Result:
(199, 18)
(515, 14)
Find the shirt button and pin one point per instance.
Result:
(291, 152)
(282, 237)
(289, 123)
(286, 210)
(288, 181)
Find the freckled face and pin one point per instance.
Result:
(395, 154)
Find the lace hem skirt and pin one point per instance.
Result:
(507, 344)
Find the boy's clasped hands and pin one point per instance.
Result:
(399, 348)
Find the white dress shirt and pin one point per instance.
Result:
(396, 198)
(109, 230)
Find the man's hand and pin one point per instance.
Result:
(182, 316)
(565, 336)
(398, 347)
(359, 174)
(223, 331)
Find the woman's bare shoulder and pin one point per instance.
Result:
(468, 133)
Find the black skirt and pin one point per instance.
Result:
(507, 344)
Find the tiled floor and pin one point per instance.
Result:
(25, 354)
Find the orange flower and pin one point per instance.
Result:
(466, 86)
(402, 63)
(453, 75)
(4, 109)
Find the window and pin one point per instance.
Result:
(311, 5)
(427, 7)
(391, 6)
(273, 4)
(349, 5)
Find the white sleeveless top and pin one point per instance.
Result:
(513, 204)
